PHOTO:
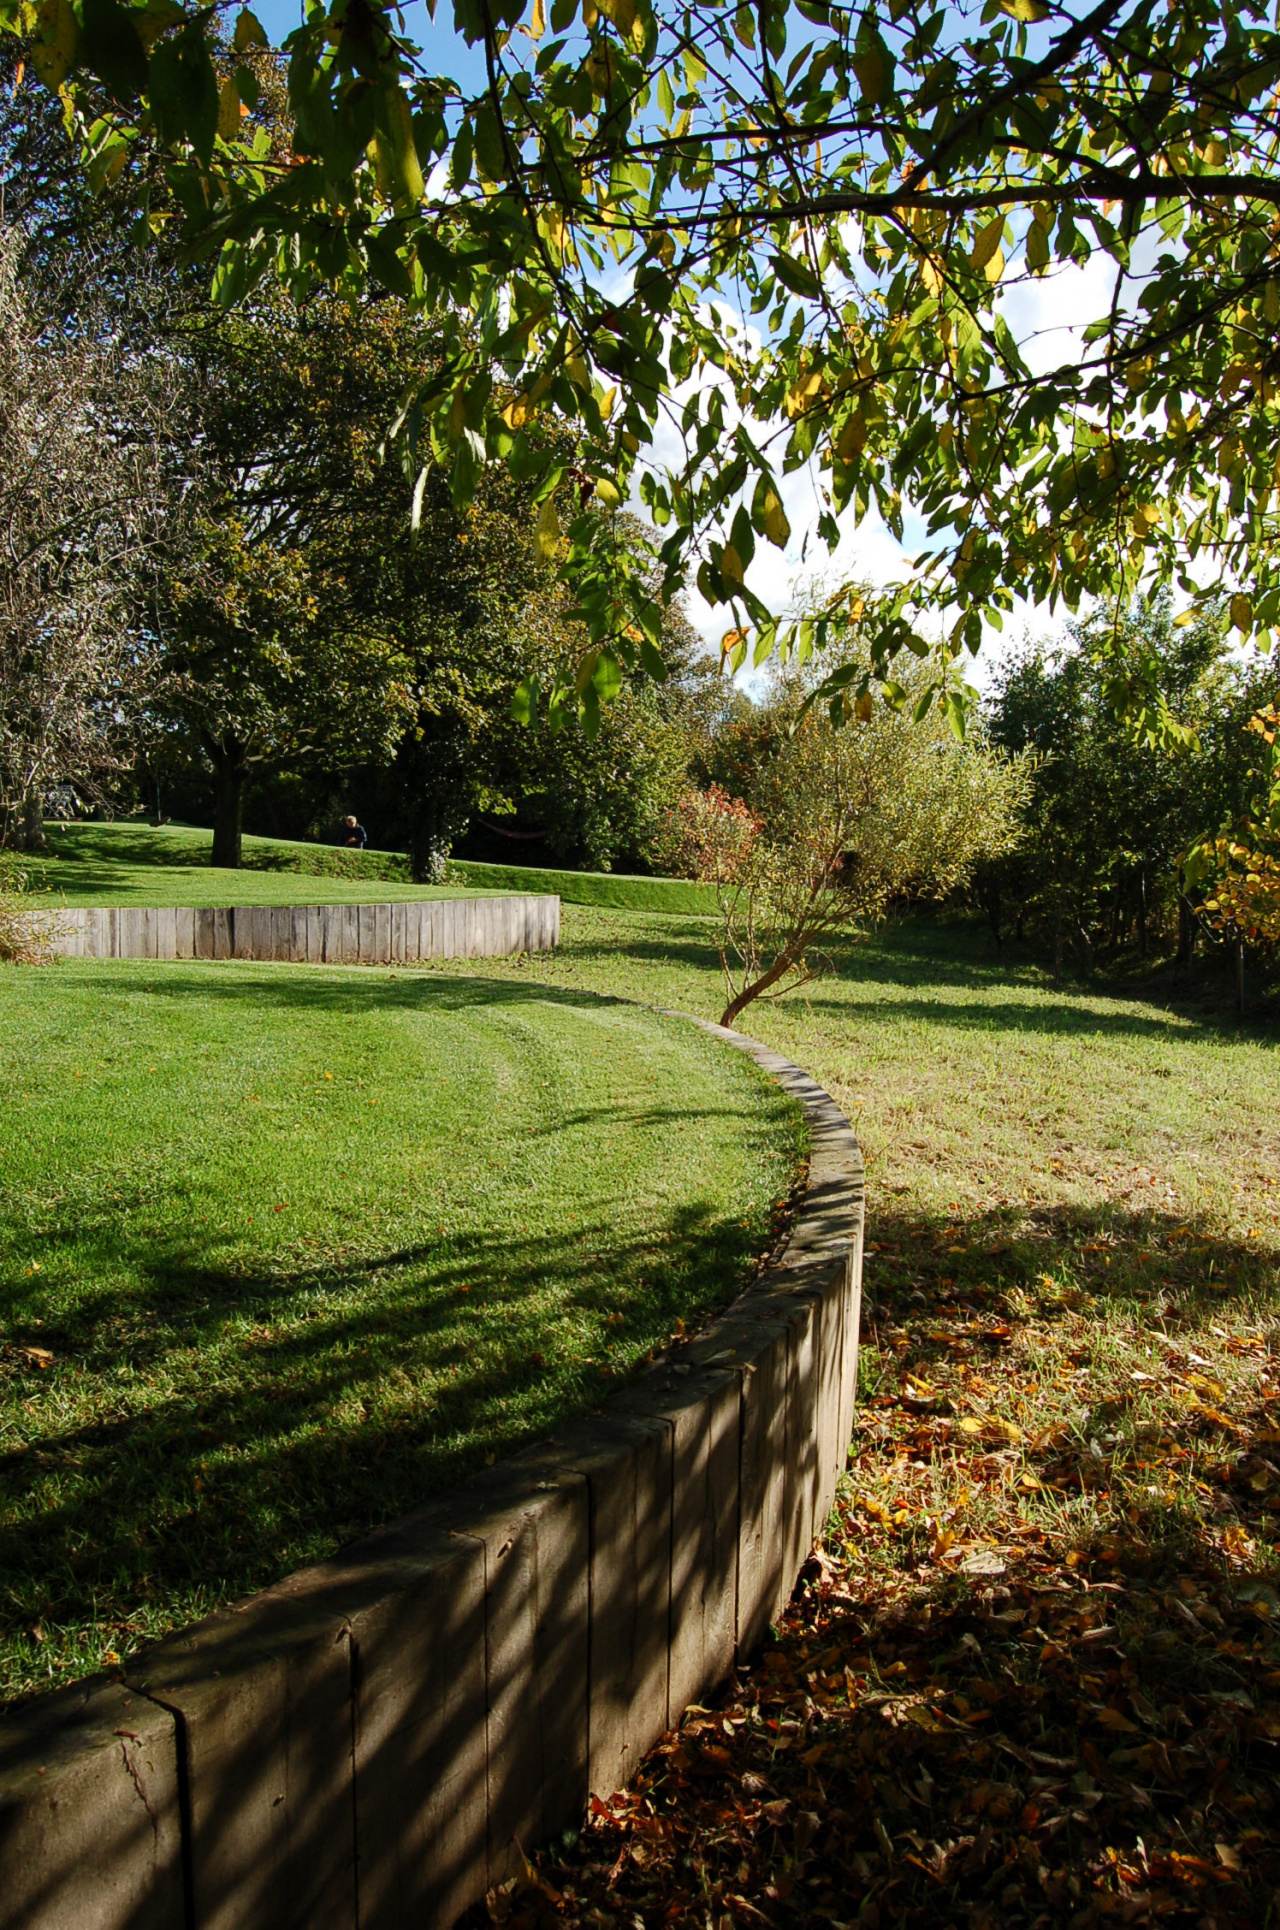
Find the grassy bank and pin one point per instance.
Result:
(606, 890)
(136, 864)
(284, 1251)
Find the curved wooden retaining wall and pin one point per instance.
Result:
(366, 1743)
(392, 934)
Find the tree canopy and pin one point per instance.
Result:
(728, 240)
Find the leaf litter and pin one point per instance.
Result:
(1032, 1675)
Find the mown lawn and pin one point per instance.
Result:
(283, 1251)
(132, 864)
(1033, 1677)
(135, 864)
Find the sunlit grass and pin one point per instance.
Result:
(284, 1251)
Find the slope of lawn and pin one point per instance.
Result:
(134, 864)
(284, 1251)
(138, 864)
(611, 890)
(1034, 1677)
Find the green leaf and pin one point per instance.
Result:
(111, 47)
(396, 150)
(249, 31)
(653, 662)
(524, 704)
(387, 265)
(795, 275)
(1029, 11)
(184, 91)
(491, 154)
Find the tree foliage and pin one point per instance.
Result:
(88, 505)
(1111, 818)
(837, 825)
(726, 241)
(1242, 864)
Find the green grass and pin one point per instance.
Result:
(283, 1251)
(605, 889)
(136, 864)
(1095, 1172)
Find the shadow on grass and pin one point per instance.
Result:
(280, 1412)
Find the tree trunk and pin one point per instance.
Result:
(1142, 912)
(1186, 929)
(26, 826)
(228, 808)
(1238, 948)
(779, 969)
(993, 912)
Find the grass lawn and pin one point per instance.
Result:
(1034, 1675)
(134, 864)
(285, 1250)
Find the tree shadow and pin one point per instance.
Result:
(358, 988)
(303, 1404)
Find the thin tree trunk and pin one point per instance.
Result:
(779, 969)
(1239, 965)
(228, 809)
(1186, 929)
(1142, 911)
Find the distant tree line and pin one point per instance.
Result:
(1120, 837)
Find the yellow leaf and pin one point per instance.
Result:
(1242, 613)
(609, 493)
(987, 246)
(731, 565)
(774, 518)
(538, 20)
(1112, 1719)
(547, 539)
(1027, 10)
(852, 439)
(803, 392)
(995, 267)
(931, 274)
(228, 110)
(862, 711)
(968, 1425)
(55, 51)
(518, 412)
(627, 18)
